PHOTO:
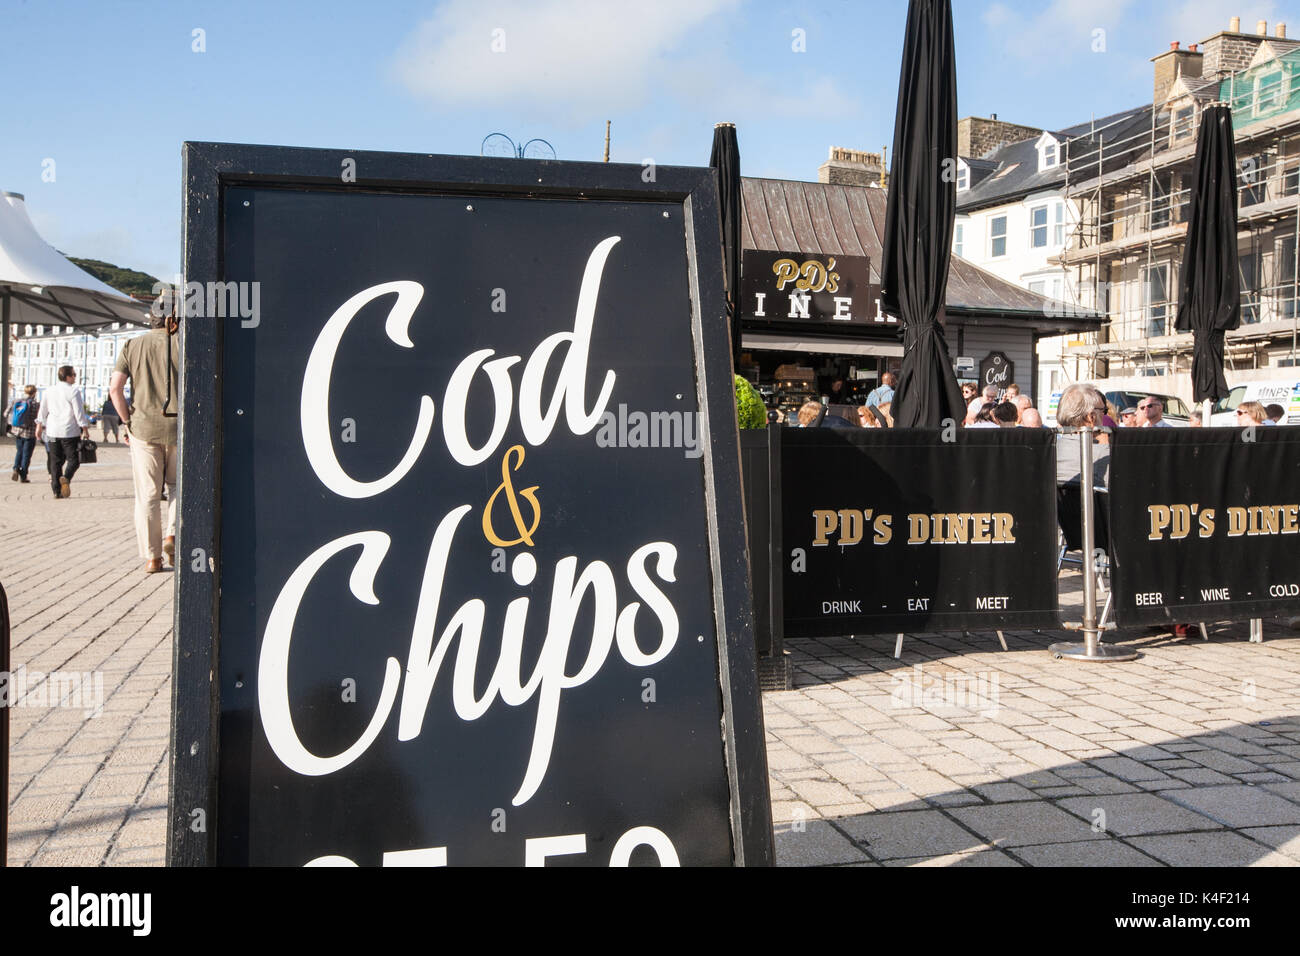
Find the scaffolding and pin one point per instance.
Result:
(1130, 176)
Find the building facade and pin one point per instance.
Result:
(38, 351)
(1130, 180)
(1014, 220)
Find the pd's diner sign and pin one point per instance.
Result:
(792, 288)
(448, 616)
(1204, 524)
(917, 529)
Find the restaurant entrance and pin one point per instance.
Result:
(788, 373)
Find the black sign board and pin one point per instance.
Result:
(997, 369)
(792, 288)
(462, 501)
(917, 529)
(1204, 524)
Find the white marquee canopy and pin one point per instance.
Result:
(38, 286)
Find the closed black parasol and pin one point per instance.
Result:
(725, 158)
(1209, 300)
(919, 222)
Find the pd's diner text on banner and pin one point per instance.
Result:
(1205, 524)
(918, 529)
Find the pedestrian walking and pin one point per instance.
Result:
(149, 362)
(20, 421)
(63, 420)
(109, 420)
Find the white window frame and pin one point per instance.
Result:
(958, 239)
(963, 177)
(1045, 227)
(994, 236)
(1048, 144)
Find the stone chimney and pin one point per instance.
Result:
(1172, 64)
(852, 167)
(977, 136)
(1231, 50)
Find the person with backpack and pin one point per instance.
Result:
(20, 420)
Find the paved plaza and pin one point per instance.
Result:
(959, 754)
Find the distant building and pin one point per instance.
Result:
(1130, 179)
(1013, 218)
(39, 350)
(853, 167)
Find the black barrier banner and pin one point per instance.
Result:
(901, 530)
(1204, 524)
(481, 598)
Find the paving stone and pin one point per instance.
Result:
(1211, 848)
(1127, 814)
(1024, 824)
(1201, 776)
(1085, 853)
(1240, 805)
(1286, 840)
(910, 834)
(1126, 768)
(977, 858)
(1222, 762)
(818, 844)
(1004, 792)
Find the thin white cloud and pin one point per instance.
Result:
(1061, 30)
(1191, 21)
(568, 59)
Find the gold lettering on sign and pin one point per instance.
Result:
(811, 276)
(1174, 522)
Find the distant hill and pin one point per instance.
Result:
(123, 280)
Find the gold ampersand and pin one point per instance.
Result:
(525, 535)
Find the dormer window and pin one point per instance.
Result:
(963, 176)
(1268, 91)
(1049, 152)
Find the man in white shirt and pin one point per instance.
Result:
(63, 419)
(1151, 413)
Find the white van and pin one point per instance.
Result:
(1284, 392)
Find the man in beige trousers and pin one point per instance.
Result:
(149, 431)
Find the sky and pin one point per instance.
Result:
(100, 95)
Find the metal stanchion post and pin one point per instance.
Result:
(1091, 649)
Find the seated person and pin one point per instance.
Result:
(1081, 406)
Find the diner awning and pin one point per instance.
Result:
(813, 345)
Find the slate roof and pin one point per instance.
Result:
(782, 215)
(1017, 172)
